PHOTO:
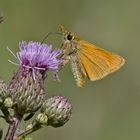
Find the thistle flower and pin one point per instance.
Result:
(58, 110)
(27, 85)
(34, 55)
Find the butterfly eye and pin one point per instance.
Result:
(69, 37)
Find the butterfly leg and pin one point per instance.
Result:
(56, 76)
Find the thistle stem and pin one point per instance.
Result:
(12, 127)
(29, 131)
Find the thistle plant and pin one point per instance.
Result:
(25, 96)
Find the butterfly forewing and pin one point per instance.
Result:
(98, 62)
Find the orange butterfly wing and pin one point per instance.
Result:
(97, 62)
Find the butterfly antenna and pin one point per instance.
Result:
(50, 33)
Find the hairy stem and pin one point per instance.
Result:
(12, 127)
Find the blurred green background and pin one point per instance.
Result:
(108, 109)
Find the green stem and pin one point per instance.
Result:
(29, 131)
(12, 127)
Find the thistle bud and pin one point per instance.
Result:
(41, 119)
(58, 110)
(8, 103)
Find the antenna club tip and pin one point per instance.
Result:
(61, 28)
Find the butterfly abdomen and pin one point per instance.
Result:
(76, 70)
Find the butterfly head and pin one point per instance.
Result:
(68, 36)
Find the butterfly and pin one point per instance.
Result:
(87, 60)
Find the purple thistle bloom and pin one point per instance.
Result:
(27, 85)
(35, 55)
